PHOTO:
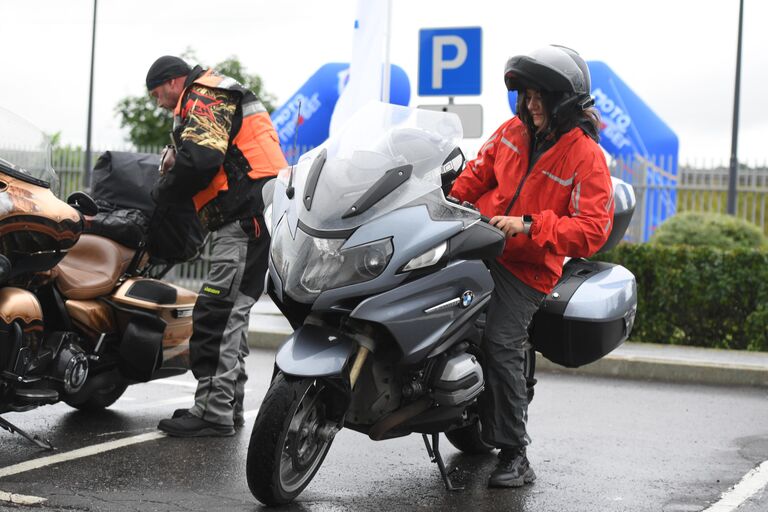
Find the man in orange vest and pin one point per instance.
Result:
(225, 149)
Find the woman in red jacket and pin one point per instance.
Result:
(543, 180)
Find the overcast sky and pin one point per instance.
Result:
(679, 56)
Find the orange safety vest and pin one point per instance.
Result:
(257, 139)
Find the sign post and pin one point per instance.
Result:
(450, 64)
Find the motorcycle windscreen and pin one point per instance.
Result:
(387, 156)
(25, 152)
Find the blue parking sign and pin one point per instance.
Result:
(450, 61)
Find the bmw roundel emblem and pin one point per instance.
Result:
(466, 298)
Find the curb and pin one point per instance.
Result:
(268, 340)
(628, 367)
(616, 365)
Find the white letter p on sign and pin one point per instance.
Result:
(438, 64)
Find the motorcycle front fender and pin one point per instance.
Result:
(315, 351)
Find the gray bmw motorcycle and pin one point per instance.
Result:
(384, 281)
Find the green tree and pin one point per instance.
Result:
(148, 125)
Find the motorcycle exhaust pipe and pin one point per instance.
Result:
(398, 417)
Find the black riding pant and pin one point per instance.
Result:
(504, 403)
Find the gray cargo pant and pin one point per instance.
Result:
(219, 343)
(504, 403)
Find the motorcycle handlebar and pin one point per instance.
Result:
(471, 206)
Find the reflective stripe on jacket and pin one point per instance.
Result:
(256, 138)
(568, 192)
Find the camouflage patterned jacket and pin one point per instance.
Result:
(226, 147)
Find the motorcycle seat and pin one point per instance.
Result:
(92, 267)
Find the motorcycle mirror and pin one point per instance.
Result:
(452, 167)
(83, 203)
(5, 268)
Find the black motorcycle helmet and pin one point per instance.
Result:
(554, 69)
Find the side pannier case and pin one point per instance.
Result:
(592, 308)
(156, 321)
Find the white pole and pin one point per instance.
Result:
(385, 76)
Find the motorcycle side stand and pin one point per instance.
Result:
(13, 429)
(433, 450)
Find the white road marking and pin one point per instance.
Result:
(175, 382)
(78, 454)
(158, 403)
(741, 492)
(88, 451)
(20, 499)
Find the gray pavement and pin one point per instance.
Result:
(668, 363)
(599, 444)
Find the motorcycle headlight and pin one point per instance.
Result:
(330, 267)
(429, 258)
(307, 265)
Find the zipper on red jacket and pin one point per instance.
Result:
(535, 155)
(519, 188)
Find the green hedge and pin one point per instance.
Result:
(709, 229)
(698, 295)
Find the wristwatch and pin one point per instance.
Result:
(527, 223)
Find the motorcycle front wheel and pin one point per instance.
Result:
(289, 440)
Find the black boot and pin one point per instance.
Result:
(192, 426)
(238, 418)
(513, 469)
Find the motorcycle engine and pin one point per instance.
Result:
(456, 380)
(70, 366)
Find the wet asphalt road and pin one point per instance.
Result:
(599, 445)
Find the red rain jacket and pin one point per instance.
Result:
(567, 191)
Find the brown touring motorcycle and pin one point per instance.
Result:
(79, 319)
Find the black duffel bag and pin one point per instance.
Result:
(126, 226)
(125, 181)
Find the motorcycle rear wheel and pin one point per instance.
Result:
(286, 447)
(98, 392)
(469, 439)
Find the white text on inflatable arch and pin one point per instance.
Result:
(615, 120)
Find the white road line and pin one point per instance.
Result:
(77, 454)
(136, 406)
(741, 492)
(174, 382)
(88, 451)
(20, 499)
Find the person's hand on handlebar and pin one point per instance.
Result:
(511, 226)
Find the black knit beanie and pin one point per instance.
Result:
(164, 69)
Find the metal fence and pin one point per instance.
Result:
(697, 186)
